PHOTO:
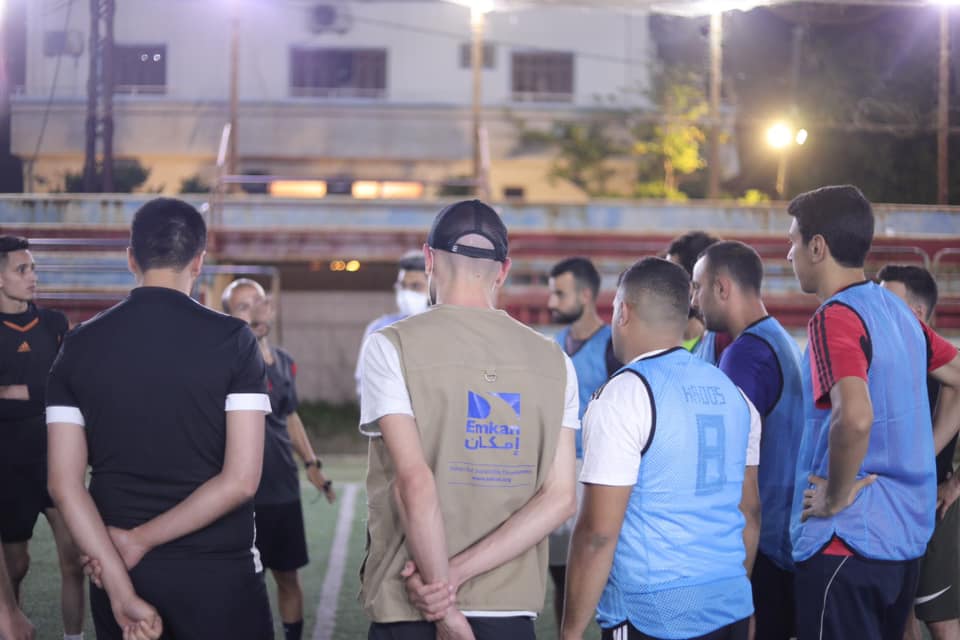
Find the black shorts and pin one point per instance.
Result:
(736, 631)
(843, 597)
(492, 628)
(938, 598)
(773, 600)
(23, 496)
(281, 538)
(197, 599)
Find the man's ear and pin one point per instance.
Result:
(818, 249)
(504, 272)
(427, 259)
(132, 264)
(623, 318)
(196, 265)
(722, 286)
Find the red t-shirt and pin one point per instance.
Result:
(840, 347)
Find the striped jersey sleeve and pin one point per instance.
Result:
(939, 350)
(839, 348)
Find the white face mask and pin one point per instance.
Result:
(411, 302)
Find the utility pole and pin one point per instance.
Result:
(716, 80)
(943, 109)
(99, 121)
(477, 20)
(106, 83)
(90, 126)
(234, 98)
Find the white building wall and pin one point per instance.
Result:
(424, 115)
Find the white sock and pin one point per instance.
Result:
(73, 636)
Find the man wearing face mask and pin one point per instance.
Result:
(281, 538)
(411, 295)
(574, 284)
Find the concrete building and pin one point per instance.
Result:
(362, 89)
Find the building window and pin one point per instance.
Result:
(338, 73)
(140, 68)
(542, 76)
(488, 56)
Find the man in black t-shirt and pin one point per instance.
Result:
(281, 537)
(165, 399)
(29, 341)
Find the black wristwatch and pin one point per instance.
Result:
(313, 463)
(327, 485)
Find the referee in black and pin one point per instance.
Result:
(165, 400)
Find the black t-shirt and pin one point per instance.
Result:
(29, 342)
(945, 457)
(279, 483)
(151, 378)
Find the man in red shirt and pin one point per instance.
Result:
(866, 488)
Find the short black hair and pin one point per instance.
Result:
(842, 215)
(167, 233)
(918, 281)
(583, 271)
(412, 261)
(688, 248)
(657, 288)
(9, 244)
(740, 260)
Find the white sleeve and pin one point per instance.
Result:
(753, 440)
(70, 415)
(571, 399)
(616, 428)
(383, 391)
(358, 372)
(248, 402)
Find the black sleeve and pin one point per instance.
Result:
(56, 323)
(60, 391)
(249, 371)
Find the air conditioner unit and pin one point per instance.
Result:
(330, 17)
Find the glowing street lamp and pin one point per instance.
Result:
(781, 136)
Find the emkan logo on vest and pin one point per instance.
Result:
(493, 421)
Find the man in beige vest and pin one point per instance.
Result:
(471, 418)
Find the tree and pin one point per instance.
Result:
(128, 175)
(583, 151)
(665, 143)
(675, 142)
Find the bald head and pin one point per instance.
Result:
(239, 285)
(464, 267)
(658, 292)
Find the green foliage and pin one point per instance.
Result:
(753, 197)
(667, 149)
(676, 141)
(194, 184)
(583, 150)
(128, 175)
(657, 189)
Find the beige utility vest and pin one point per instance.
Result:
(488, 396)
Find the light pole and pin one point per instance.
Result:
(943, 103)
(234, 72)
(478, 19)
(781, 136)
(716, 79)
